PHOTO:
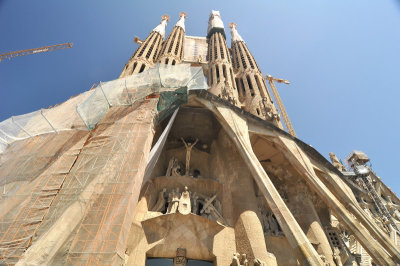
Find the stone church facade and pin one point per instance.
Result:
(216, 182)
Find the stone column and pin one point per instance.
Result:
(301, 205)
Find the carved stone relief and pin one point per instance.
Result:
(239, 260)
(189, 146)
(336, 163)
(180, 259)
(187, 202)
(269, 223)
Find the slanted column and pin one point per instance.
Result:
(172, 49)
(223, 84)
(256, 98)
(147, 53)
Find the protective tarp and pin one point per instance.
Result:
(128, 90)
(53, 120)
(88, 108)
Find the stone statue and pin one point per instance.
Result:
(176, 169)
(235, 260)
(160, 205)
(258, 262)
(273, 224)
(336, 162)
(195, 203)
(184, 202)
(245, 262)
(170, 165)
(217, 205)
(173, 201)
(189, 146)
(336, 256)
(240, 260)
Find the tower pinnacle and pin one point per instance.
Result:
(181, 21)
(235, 35)
(161, 27)
(215, 24)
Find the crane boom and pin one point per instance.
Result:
(285, 116)
(10, 55)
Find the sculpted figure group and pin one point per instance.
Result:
(269, 223)
(187, 202)
(175, 168)
(241, 260)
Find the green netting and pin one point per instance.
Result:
(126, 91)
(170, 100)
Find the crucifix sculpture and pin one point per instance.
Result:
(189, 147)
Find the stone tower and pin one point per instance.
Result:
(253, 92)
(147, 53)
(172, 49)
(220, 73)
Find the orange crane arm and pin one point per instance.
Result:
(35, 50)
(285, 116)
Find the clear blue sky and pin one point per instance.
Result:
(342, 58)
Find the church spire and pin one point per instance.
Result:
(172, 49)
(147, 53)
(252, 89)
(220, 72)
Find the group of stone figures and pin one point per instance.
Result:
(269, 223)
(241, 260)
(187, 202)
(175, 167)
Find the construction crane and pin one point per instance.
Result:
(36, 50)
(285, 117)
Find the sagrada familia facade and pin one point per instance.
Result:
(214, 181)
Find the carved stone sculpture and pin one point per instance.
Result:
(210, 211)
(184, 202)
(336, 162)
(170, 165)
(189, 146)
(180, 259)
(235, 260)
(336, 256)
(173, 201)
(258, 262)
(245, 262)
(176, 168)
(240, 260)
(273, 224)
(195, 203)
(160, 204)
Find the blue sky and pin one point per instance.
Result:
(342, 58)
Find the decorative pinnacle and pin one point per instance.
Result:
(165, 17)
(235, 35)
(181, 21)
(161, 27)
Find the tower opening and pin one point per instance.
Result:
(260, 87)
(142, 68)
(250, 85)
